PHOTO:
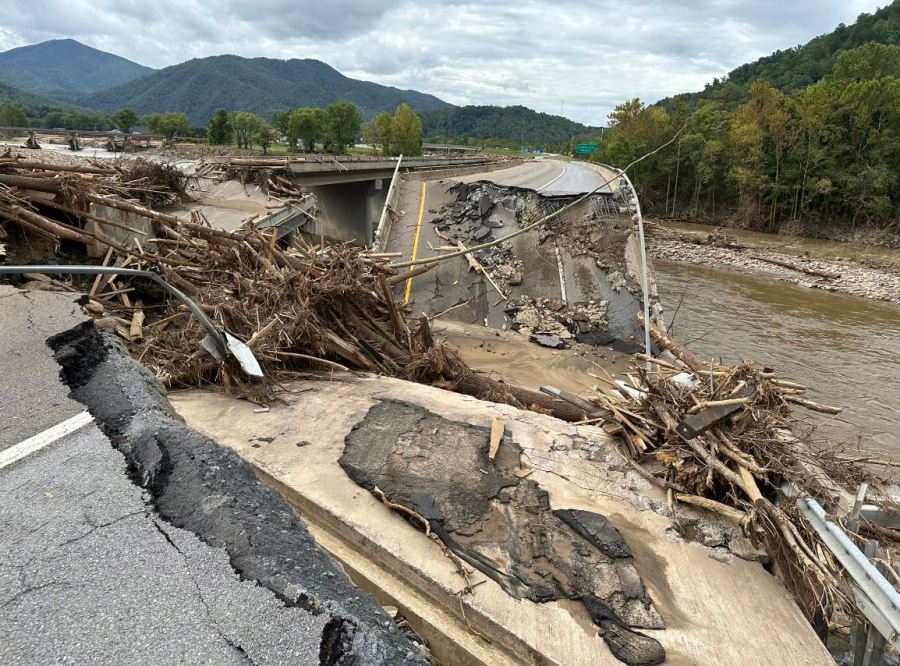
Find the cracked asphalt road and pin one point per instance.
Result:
(88, 571)
(33, 397)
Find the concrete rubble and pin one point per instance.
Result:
(478, 213)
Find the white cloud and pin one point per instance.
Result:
(590, 54)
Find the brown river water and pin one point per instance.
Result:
(845, 349)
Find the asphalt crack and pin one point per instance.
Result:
(94, 528)
(210, 619)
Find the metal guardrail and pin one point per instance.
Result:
(875, 597)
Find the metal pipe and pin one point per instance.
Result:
(379, 231)
(132, 272)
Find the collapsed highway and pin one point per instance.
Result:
(379, 495)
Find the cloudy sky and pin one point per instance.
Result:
(581, 57)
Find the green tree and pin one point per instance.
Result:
(280, 120)
(124, 119)
(406, 132)
(305, 125)
(378, 133)
(218, 129)
(245, 125)
(264, 135)
(341, 126)
(151, 122)
(174, 124)
(13, 115)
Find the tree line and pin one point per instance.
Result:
(827, 155)
(334, 128)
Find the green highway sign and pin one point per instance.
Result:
(586, 148)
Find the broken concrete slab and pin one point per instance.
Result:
(499, 523)
(200, 486)
(485, 205)
(714, 612)
(142, 229)
(548, 340)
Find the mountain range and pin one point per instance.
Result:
(75, 86)
(82, 82)
(261, 85)
(64, 66)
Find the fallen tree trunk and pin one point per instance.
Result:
(794, 267)
(42, 166)
(165, 218)
(489, 389)
(26, 183)
(682, 353)
(29, 219)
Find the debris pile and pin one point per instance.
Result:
(296, 306)
(551, 323)
(723, 439)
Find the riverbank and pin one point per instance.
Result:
(847, 268)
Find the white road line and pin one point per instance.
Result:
(563, 173)
(39, 441)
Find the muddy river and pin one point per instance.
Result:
(845, 349)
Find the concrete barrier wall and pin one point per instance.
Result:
(144, 229)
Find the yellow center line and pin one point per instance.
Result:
(415, 248)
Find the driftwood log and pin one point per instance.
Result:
(794, 267)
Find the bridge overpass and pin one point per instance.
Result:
(351, 189)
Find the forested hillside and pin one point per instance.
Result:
(259, 85)
(65, 66)
(512, 125)
(793, 69)
(822, 159)
(18, 108)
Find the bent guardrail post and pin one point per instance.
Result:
(219, 343)
(380, 236)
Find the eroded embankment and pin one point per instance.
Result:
(567, 280)
(200, 486)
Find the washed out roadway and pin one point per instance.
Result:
(452, 284)
(88, 572)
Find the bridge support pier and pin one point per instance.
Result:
(348, 211)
